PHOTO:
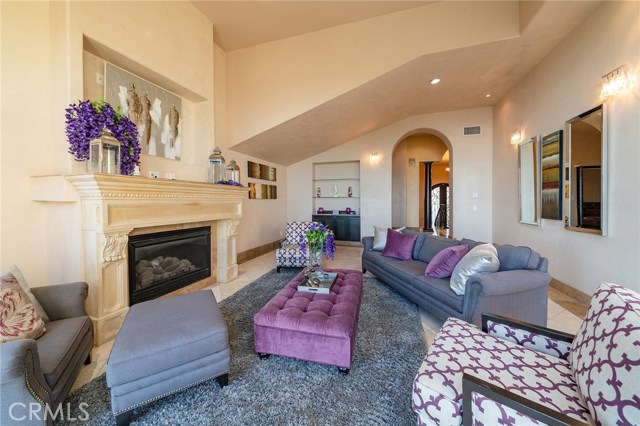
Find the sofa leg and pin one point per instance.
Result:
(223, 380)
(262, 355)
(277, 269)
(123, 419)
(343, 371)
(88, 360)
(364, 271)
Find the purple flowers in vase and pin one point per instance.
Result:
(86, 120)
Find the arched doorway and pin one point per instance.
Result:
(420, 161)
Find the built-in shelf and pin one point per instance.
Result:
(334, 181)
(342, 178)
(330, 198)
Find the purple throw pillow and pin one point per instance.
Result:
(399, 245)
(443, 263)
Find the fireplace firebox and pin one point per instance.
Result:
(163, 262)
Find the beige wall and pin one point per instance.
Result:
(471, 164)
(565, 84)
(273, 82)
(168, 43)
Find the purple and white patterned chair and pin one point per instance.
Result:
(514, 373)
(288, 253)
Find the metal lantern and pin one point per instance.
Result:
(233, 171)
(104, 154)
(216, 166)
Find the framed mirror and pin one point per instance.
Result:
(586, 172)
(528, 177)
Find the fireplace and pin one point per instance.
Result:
(163, 262)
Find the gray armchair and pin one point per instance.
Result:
(39, 373)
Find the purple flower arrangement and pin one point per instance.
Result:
(316, 235)
(86, 120)
(229, 182)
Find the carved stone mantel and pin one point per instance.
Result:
(112, 206)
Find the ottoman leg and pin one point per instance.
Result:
(262, 355)
(343, 371)
(223, 380)
(122, 419)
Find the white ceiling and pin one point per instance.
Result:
(468, 74)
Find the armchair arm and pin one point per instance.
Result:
(508, 282)
(281, 242)
(367, 242)
(21, 379)
(542, 339)
(534, 410)
(62, 301)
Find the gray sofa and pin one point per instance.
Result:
(42, 371)
(518, 289)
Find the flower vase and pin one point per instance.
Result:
(314, 270)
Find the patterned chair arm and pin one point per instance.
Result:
(484, 403)
(542, 339)
(281, 242)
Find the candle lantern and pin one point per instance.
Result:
(216, 166)
(233, 171)
(104, 154)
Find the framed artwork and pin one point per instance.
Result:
(261, 191)
(261, 171)
(155, 111)
(551, 182)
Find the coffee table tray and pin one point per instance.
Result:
(321, 284)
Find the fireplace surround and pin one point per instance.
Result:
(114, 207)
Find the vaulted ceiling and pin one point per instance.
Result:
(468, 73)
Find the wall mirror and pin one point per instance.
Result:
(529, 174)
(586, 172)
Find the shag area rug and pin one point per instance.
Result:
(390, 346)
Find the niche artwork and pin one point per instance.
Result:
(155, 111)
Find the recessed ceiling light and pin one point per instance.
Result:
(435, 81)
(488, 95)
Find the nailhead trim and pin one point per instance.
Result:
(140, 404)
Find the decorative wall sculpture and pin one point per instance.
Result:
(155, 111)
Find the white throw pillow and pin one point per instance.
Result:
(380, 237)
(481, 259)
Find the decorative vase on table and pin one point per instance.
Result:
(314, 269)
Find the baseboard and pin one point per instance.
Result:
(247, 255)
(579, 296)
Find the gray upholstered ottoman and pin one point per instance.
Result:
(165, 346)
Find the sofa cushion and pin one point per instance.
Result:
(18, 316)
(481, 259)
(471, 243)
(59, 344)
(439, 290)
(462, 348)
(432, 245)
(516, 257)
(404, 270)
(399, 245)
(419, 241)
(443, 263)
(605, 353)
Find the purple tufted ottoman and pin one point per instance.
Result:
(311, 326)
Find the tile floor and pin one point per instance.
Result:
(564, 312)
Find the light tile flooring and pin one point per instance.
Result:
(564, 312)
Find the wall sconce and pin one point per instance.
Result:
(373, 157)
(615, 82)
(412, 162)
(516, 137)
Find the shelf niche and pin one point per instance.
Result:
(338, 175)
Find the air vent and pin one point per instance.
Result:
(472, 130)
